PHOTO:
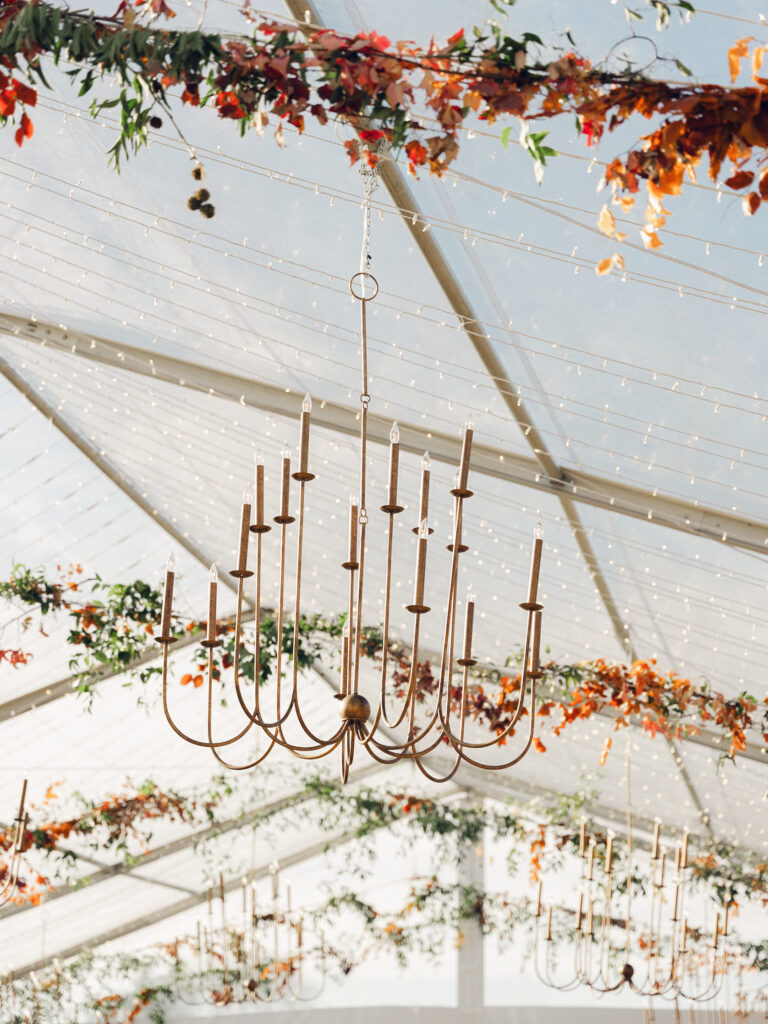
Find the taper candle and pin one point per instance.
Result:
(421, 564)
(213, 579)
(533, 582)
(170, 575)
(582, 839)
(245, 530)
(424, 493)
(354, 510)
(394, 462)
(536, 644)
(259, 488)
(469, 621)
(286, 488)
(306, 409)
(466, 452)
(656, 837)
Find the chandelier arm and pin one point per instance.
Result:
(526, 676)
(437, 778)
(176, 729)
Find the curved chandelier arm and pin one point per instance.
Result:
(10, 886)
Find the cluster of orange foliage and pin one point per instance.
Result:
(108, 823)
(666, 704)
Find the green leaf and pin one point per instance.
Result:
(505, 136)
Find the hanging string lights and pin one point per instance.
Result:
(414, 729)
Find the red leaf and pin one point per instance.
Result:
(740, 180)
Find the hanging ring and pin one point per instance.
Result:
(363, 297)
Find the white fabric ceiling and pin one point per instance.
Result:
(652, 378)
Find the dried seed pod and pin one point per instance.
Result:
(207, 210)
(193, 203)
(155, 122)
(203, 195)
(198, 172)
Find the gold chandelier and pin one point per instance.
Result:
(232, 962)
(411, 737)
(656, 953)
(10, 881)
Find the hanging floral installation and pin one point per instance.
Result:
(418, 99)
(111, 625)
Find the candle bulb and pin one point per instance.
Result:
(424, 494)
(469, 621)
(656, 837)
(354, 511)
(213, 580)
(533, 582)
(466, 452)
(306, 409)
(259, 488)
(170, 575)
(245, 530)
(394, 462)
(421, 565)
(535, 646)
(286, 488)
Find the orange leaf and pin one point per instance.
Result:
(650, 239)
(198, 681)
(737, 52)
(604, 266)
(757, 60)
(606, 222)
(604, 753)
(186, 679)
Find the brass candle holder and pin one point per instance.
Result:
(389, 734)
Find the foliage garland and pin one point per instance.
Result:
(543, 832)
(114, 633)
(387, 91)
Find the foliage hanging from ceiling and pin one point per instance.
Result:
(110, 626)
(416, 99)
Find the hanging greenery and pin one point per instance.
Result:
(111, 627)
(418, 99)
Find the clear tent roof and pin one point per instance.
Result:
(649, 381)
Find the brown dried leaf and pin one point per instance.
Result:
(740, 180)
(604, 266)
(750, 204)
(650, 239)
